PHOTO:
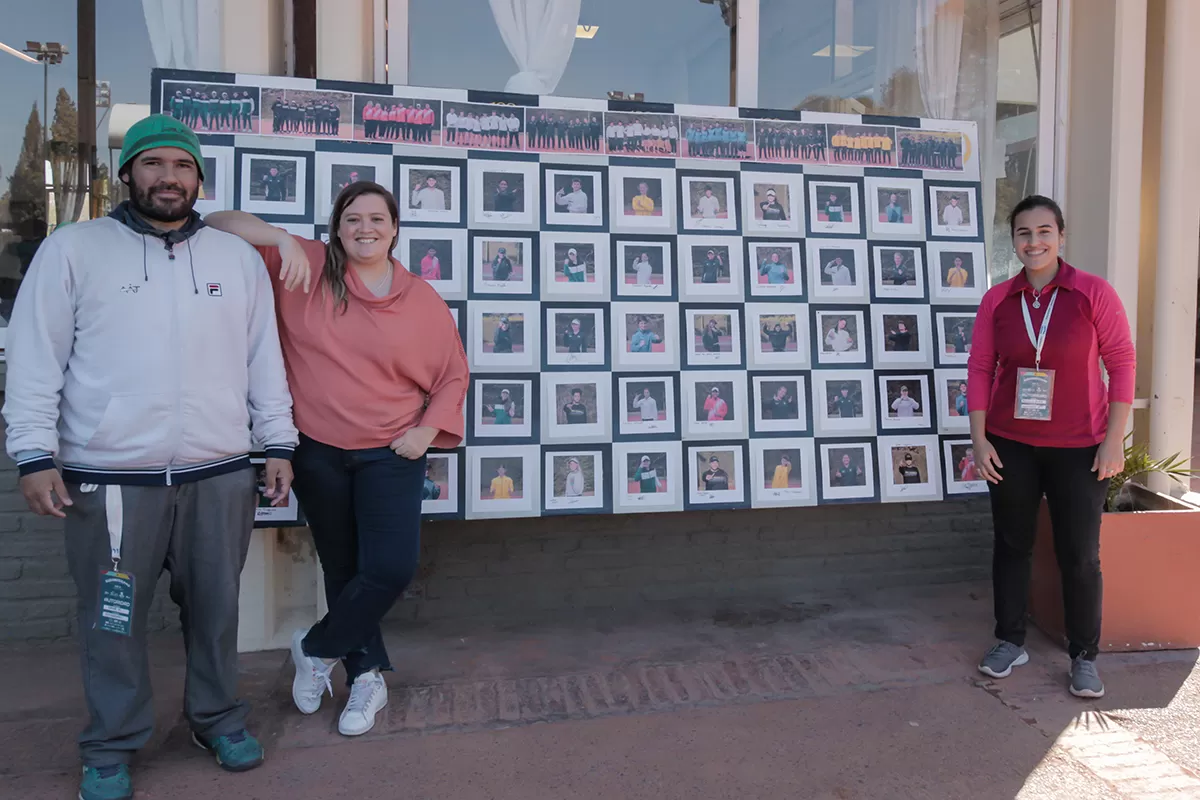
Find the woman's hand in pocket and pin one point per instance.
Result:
(413, 443)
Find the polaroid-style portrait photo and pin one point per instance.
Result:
(833, 207)
(574, 197)
(937, 150)
(575, 336)
(955, 332)
(577, 406)
(647, 476)
(899, 271)
(847, 471)
(716, 475)
(714, 337)
(905, 402)
(503, 481)
(274, 184)
(504, 193)
(645, 336)
(843, 402)
(909, 468)
(775, 269)
(782, 472)
(895, 207)
(790, 142)
(953, 211)
(780, 403)
(438, 256)
(439, 493)
(504, 408)
(953, 412)
(309, 113)
(574, 480)
(642, 198)
(714, 405)
(644, 268)
(710, 267)
(574, 264)
(779, 333)
(961, 475)
(902, 335)
(213, 107)
(480, 126)
(716, 138)
(430, 193)
(863, 145)
(338, 171)
(711, 203)
(404, 120)
(561, 130)
(837, 270)
(647, 406)
(637, 134)
(958, 272)
(216, 191)
(503, 265)
(774, 203)
(503, 335)
(841, 337)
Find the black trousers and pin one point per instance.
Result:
(1076, 502)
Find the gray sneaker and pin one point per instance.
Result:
(1085, 679)
(1000, 660)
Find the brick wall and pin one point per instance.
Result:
(523, 568)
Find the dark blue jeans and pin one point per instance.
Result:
(364, 509)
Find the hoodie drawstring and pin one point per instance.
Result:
(145, 271)
(192, 265)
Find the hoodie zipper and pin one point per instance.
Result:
(175, 341)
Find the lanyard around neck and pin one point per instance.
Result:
(1038, 341)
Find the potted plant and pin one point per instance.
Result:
(1150, 555)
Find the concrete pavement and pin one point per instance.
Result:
(839, 697)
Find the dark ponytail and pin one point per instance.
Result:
(333, 273)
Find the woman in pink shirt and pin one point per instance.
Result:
(378, 375)
(1043, 423)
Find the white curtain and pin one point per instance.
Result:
(173, 26)
(939, 52)
(896, 85)
(540, 35)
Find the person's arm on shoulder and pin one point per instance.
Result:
(288, 262)
(40, 336)
(442, 423)
(268, 398)
(1115, 343)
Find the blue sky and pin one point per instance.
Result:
(123, 57)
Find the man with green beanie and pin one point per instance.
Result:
(143, 368)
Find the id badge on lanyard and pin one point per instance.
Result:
(1035, 387)
(114, 607)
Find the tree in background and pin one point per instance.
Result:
(26, 192)
(70, 182)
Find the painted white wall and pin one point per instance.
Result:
(346, 40)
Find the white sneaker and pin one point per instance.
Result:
(312, 677)
(368, 696)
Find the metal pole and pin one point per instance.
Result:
(45, 137)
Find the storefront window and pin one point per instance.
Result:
(34, 199)
(671, 51)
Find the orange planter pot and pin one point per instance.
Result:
(1150, 561)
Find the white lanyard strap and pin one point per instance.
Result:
(1039, 341)
(114, 511)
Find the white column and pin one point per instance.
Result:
(397, 41)
(346, 40)
(252, 36)
(747, 54)
(1178, 228)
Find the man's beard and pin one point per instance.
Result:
(146, 203)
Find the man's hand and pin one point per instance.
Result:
(415, 441)
(295, 270)
(45, 493)
(279, 480)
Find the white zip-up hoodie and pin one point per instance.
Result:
(137, 363)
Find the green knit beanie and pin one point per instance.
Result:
(160, 130)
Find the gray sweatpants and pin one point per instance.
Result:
(200, 533)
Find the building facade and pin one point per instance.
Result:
(1084, 102)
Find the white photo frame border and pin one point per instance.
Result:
(945, 359)
(818, 228)
(276, 209)
(796, 207)
(795, 289)
(597, 502)
(552, 288)
(668, 359)
(456, 287)
(451, 216)
(883, 292)
(769, 359)
(598, 359)
(925, 421)
(955, 487)
(447, 505)
(774, 426)
(826, 425)
(482, 286)
(922, 357)
(937, 228)
(621, 223)
(528, 505)
(672, 498)
(703, 360)
(763, 497)
(867, 491)
(223, 180)
(916, 189)
(598, 431)
(947, 424)
(560, 219)
(621, 248)
(859, 356)
(527, 361)
(857, 292)
(710, 292)
(693, 429)
(945, 295)
(700, 224)
(526, 431)
(889, 490)
(526, 219)
(727, 498)
(667, 427)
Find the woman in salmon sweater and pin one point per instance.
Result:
(1043, 422)
(378, 375)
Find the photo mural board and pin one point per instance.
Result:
(664, 307)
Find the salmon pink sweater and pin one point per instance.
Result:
(388, 364)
